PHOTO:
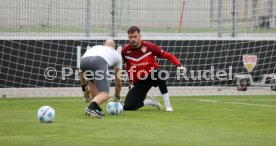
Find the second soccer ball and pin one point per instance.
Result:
(114, 108)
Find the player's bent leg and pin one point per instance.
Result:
(102, 96)
(93, 89)
(132, 101)
(136, 95)
(94, 108)
(161, 82)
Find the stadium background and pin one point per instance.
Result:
(39, 34)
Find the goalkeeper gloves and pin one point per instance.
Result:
(183, 70)
(86, 93)
(130, 85)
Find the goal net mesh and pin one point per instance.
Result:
(222, 42)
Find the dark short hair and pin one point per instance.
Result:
(133, 29)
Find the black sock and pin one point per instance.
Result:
(93, 105)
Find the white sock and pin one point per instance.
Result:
(148, 102)
(166, 99)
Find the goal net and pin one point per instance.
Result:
(229, 45)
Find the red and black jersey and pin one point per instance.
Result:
(140, 61)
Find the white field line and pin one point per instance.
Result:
(253, 104)
(237, 103)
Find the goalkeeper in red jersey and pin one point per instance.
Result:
(144, 72)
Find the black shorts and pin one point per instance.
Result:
(137, 94)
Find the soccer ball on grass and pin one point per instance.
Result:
(114, 108)
(46, 114)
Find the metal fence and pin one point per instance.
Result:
(111, 18)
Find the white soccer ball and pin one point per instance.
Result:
(114, 108)
(46, 114)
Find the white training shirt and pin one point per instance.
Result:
(110, 55)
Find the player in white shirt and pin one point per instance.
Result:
(95, 65)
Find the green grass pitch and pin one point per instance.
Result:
(197, 120)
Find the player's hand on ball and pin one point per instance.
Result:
(86, 93)
(183, 70)
(116, 98)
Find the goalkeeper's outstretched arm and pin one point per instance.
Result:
(171, 58)
(182, 70)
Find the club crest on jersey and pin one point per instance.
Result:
(144, 49)
(249, 62)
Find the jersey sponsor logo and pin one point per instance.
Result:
(249, 62)
(128, 52)
(139, 64)
(144, 49)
